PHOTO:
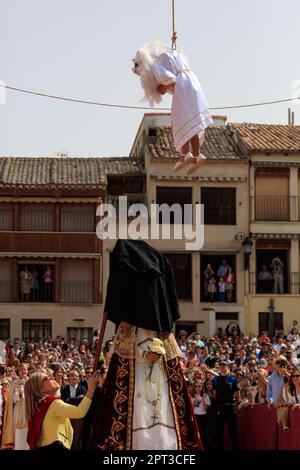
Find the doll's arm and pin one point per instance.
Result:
(161, 72)
(162, 89)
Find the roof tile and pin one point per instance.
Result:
(269, 137)
(220, 143)
(67, 173)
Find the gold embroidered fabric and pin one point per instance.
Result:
(126, 347)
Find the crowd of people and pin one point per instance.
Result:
(224, 373)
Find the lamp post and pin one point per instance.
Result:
(247, 244)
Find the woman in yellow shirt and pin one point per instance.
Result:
(48, 417)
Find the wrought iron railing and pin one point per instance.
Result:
(275, 209)
(76, 292)
(289, 284)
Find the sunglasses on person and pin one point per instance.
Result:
(295, 376)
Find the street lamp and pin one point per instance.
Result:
(247, 244)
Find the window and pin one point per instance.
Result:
(212, 268)
(188, 327)
(37, 217)
(270, 322)
(172, 195)
(79, 333)
(36, 330)
(115, 186)
(78, 218)
(228, 316)
(77, 281)
(219, 206)
(4, 328)
(272, 276)
(152, 132)
(182, 269)
(5, 280)
(134, 185)
(223, 319)
(6, 216)
(36, 282)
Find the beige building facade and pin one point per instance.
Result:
(249, 186)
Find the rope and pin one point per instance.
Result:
(110, 105)
(174, 35)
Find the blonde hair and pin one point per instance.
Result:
(33, 389)
(144, 60)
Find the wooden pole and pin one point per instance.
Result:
(100, 340)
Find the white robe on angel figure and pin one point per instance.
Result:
(159, 65)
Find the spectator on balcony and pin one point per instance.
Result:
(229, 284)
(212, 288)
(48, 283)
(208, 274)
(25, 284)
(223, 269)
(277, 269)
(222, 288)
(265, 280)
(35, 285)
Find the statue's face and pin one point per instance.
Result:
(137, 63)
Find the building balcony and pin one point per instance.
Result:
(70, 292)
(50, 242)
(275, 209)
(288, 285)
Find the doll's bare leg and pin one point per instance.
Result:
(195, 143)
(185, 157)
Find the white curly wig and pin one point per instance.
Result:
(143, 62)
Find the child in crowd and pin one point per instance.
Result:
(222, 286)
(164, 70)
(212, 288)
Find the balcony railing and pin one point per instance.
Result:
(291, 285)
(70, 292)
(37, 220)
(5, 291)
(6, 219)
(275, 208)
(43, 292)
(76, 292)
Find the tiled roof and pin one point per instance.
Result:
(220, 144)
(269, 137)
(65, 173)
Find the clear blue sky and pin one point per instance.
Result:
(241, 51)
